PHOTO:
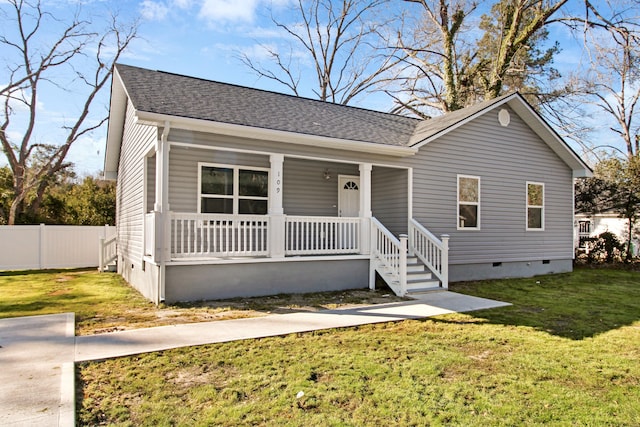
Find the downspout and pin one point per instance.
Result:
(163, 150)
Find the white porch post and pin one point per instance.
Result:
(365, 208)
(445, 261)
(276, 211)
(161, 205)
(162, 171)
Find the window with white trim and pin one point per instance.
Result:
(535, 206)
(232, 189)
(468, 202)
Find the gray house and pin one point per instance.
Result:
(227, 191)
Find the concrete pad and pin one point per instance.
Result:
(33, 353)
(126, 343)
(457, 303)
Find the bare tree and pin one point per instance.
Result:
(452, 68)
(39, 58)
(612, 82)
(341, 41)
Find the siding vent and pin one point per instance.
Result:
(497, 264)
(546, 261)
(504, 117)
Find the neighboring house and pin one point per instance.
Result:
(227, 191)
(588, 226)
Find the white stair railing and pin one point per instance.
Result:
(433, 252)
(388, 258)
(107, 252)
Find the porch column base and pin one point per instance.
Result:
(365, 236)
(277, 234)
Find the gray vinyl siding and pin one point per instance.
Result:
(183, 172)
(136, 142)
(306, 192)
(231, 142)
(389, 198)
(504, 158)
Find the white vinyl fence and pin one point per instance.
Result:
(27, 247)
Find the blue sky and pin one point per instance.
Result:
(201, 38)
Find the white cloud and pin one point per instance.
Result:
(229, 10)
(183, 4)
(259, 52)
(153, 10)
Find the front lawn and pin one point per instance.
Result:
(566, 353)
(103, 302)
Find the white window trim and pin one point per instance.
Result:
(527, 206)
(467, 203)
(236, 185)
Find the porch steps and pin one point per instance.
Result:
(419, 278)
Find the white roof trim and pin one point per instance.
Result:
(272, 135)
(117, 114)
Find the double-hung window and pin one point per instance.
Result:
(468, 202)
(535, 206)
(233, 189)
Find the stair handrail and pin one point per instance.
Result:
(389, 255)
(433, 252)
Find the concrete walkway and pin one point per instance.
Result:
(37, 354)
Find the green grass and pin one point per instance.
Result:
(103, 302)
(98, 300)
(566, 353)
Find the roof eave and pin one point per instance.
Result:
(117, 113)
(251, 132)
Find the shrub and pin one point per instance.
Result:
(605, 248)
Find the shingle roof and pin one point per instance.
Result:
(183, 96)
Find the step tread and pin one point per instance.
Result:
(427, 289)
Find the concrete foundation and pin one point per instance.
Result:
(143, 276)
(220, 281)
(502, 270)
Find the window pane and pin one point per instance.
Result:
(224, 206)
(468, 216)
(252, 207)
(535, 195)
(534, 217)
(468, 188)
(253, 183)
(217, 181)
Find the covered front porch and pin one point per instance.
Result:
(211, 205)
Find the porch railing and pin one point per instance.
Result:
(388, 258)
(433, 252)
(214, 235)
(313, 235)
(108, 252)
